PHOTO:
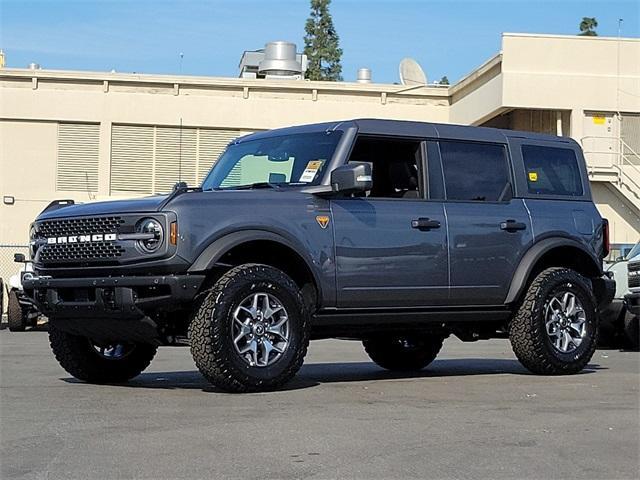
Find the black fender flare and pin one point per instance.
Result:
(216, 249)
(531, 257)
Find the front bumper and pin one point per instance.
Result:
(632, 300)
(118, 298)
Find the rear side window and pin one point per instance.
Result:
(475, 171)
(552, 171)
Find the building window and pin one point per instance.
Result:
(552, 171)
(475, 172)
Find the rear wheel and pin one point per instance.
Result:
(16, 316)
(95, 362)
(404, 352)
(555, 329)
(250, 332)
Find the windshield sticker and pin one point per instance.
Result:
(533, 176)
(310, 172)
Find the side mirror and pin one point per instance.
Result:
(620, 258)
(353, 177)
(19, 258)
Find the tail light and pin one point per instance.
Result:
(605, 238)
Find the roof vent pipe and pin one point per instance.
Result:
(34, 66)
(364, 75)
(280, 59)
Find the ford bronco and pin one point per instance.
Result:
(397, 234)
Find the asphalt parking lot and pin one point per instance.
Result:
(475, 413)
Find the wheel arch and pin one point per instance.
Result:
(551, 252)
(261, 246)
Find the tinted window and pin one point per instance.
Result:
(552, 171)
(475, 171)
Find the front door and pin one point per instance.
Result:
(384, 257)
(391, 245)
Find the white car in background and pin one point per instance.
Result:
(21, 313)
(617, 324)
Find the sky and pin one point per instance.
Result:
(147, 36)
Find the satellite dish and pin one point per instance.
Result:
(411, 72)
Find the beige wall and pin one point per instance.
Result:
(624, 223)
(27, 153)
(33, 102)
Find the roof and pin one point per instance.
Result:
(375, 126)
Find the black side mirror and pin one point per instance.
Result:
(353, 177)
(19, 258)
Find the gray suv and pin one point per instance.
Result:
(397, 234)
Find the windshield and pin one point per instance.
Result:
(298, 159)
(635, 251)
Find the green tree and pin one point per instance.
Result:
(588, 27)
(444, 81)
(321, 44)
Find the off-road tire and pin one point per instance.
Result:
(16, 319)
(78, 357)
(210, 330)
(392, 353)
(527, 330)
(632, 331)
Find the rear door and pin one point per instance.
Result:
(488, 229)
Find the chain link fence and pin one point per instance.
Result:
(8, 267)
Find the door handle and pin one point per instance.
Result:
(512, 225)
(425, 224)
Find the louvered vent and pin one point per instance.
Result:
(175, 157)
(152, 159)
(631, 136)
(132, 150)
(77, 167)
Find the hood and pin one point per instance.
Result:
(138, 205)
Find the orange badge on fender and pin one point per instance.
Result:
(323, 221)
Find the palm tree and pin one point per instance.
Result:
(588, 27)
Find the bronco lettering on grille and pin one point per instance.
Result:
(94, 237)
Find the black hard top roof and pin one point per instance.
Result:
(374, 126)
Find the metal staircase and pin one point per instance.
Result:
(619, 166)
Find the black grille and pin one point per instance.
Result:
(634, 275)
(78, 226)
(90, 251)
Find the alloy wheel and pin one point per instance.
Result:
(565, 321)
(260, 330)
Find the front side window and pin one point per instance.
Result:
(395, 166)
(298, 159)
(475, 171)
(552, 170)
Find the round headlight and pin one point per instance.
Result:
(150, 226)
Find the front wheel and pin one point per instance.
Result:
(99, 363)
(405, 352)
(555, 330)
(250, 332)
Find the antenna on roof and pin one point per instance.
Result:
(411, 73)
(180, 154)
